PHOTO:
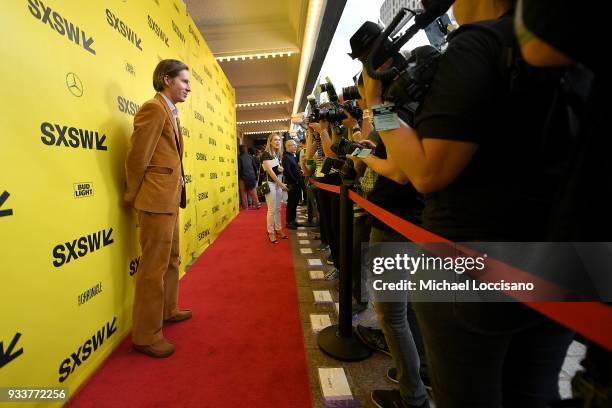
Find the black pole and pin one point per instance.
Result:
(339, 341)
(345, 317)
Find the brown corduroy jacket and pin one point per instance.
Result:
(153, 165)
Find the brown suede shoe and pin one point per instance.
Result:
(179, 316)
(160, 349)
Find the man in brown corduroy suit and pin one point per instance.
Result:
(156, 189)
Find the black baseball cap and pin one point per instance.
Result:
(364, 38)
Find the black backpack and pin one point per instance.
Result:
(565, 92)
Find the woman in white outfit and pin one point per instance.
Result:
(271, 162)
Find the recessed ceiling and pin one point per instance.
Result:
(236, 28)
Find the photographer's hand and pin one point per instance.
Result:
(315, 126)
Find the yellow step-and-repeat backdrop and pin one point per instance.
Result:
(74, 75)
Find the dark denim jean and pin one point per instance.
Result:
(492, 355)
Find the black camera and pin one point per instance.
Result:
(353, 108)
(406, 82)
(350, 93)
(335, 114)
(314, 109)
(344, 147)
(344, 167)
(331, 91)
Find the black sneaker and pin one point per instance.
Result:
(392, 376)
(332, 275)
(373, 338)
(323, 247)
(392, 399)
(292, 225)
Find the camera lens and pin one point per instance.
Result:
(350, 93)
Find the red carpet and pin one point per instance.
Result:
(243, 348)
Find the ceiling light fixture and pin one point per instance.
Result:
(265, 131)
(247, 122)
(311, 33)
(245, 105)
(243, 57)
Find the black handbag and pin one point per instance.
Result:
(262, 189)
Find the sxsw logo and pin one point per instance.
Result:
(56, 135)
(219, 129)
(227, 174)
(126, 106)
(210, 107)
(218, 98)
(61, 25)
(187, 178)
(221, 159)
(203, 234)
(83, 190)
(185, 131)
(227, 147)
(134, 264)
(201, 156)
(222, 189)
(202, 196)
(78, 248)
(215, 209)
(212, 141)
(123, 29)
(197, 76)
(7, 211)
(207, 72)
(158, 31)
(213, 176)
(199, 116)
(194, 35)
(187, 226)
(91, 345)
(178, 32)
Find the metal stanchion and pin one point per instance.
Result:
(339, 341)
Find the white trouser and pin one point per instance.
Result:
(273, 200)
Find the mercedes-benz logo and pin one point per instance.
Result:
(74, 84)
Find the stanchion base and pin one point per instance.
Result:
(342, 348)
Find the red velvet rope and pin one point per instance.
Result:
(593, 320)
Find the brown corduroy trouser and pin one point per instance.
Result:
(156, 295)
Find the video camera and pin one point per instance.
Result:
(406, 82)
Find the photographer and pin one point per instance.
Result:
(309, 194)
(318, 144)
(293, 176)
(400, 336)
(473, 151)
